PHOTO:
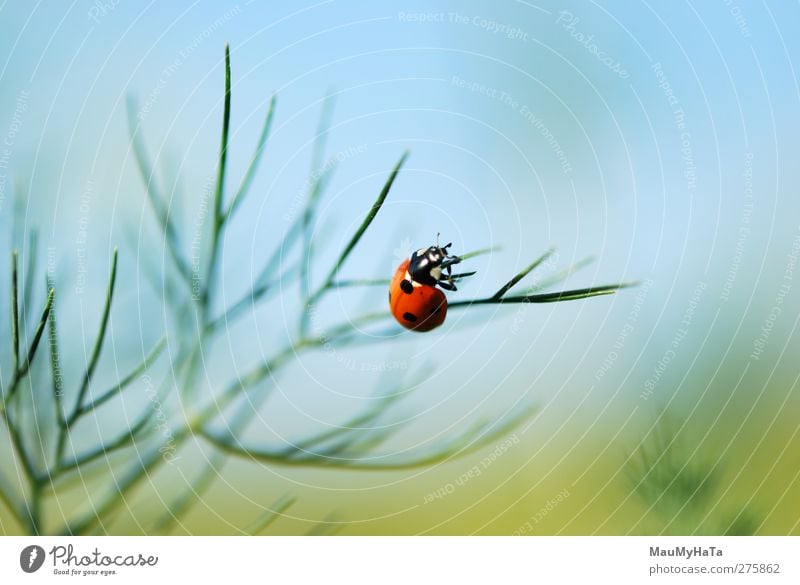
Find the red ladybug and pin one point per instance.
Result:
(415, 301)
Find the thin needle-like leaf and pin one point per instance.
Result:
(479, 252)
(124, 439)
(570, 295)
(37, 335)
(507, 286)
(30, 270)
(14, 312)
(319, 175)
(55, 359)
(376, 207)
(270, 515)
(567, 295)
(219, 191)
(101, 335)
(253, 167)
(90, 368)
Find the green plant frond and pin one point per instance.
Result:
(469, 442)
(352, 426)
(116, 497)
(30, 270)
(101, 336)
(219, 191)
(37, 334)
(125, 382)
(125, 439)
(570, 295)
(479, 252)
(359, 443)
(56, 373)
(14, 311)
(532, 266)
(567, 295)
(22, 367)
(244, 187)
(270, 515)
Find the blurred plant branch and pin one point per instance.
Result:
(351, 445)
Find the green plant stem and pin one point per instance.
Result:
(334, 272)
(93, 361)
(160, 208)
(219, 217)
(21, 371)
(507, 286)
(14, 313)
(567, 295)
(244, 187)
(319, 176)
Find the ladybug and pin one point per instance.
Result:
(414, 298)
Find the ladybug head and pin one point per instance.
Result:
(427, 265)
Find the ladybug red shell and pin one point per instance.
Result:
(414, 299)
(416, 306)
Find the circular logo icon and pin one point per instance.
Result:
(31, 558)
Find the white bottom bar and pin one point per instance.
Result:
(401, 560)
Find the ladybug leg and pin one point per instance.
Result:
(447, 285)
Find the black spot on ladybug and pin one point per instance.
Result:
(407, 287)
(409, 317)
(390, 297)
